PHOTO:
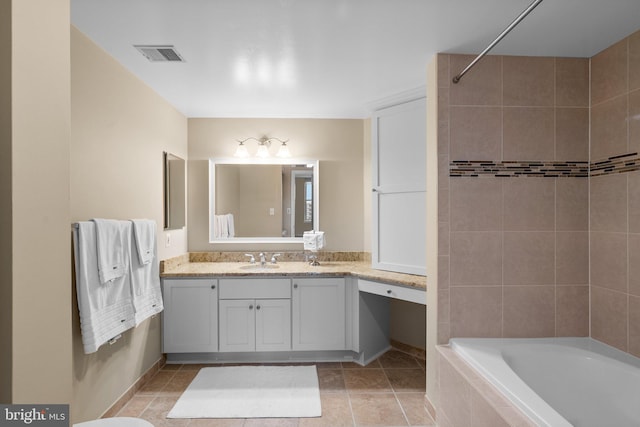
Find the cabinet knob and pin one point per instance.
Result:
(389, 291)
(295, 286)
(213, 286)
(251, 307)
(257, 307)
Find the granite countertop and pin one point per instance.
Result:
(361, 270)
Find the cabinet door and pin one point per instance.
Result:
(237, 325)
(273, 325)
(190, 318)
(398, 169)
(318, 308)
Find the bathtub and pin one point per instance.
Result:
(560, 382)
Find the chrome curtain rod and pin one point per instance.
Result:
(506, 31)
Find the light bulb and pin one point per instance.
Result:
(284, 152)
(263, 151)
(241, 151)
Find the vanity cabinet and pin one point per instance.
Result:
(319, 314)
(255, 315)
(190, 318)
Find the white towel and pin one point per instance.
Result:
(144, 234)
(230, 226)
(111, 264)
(223, 226)
(145, 279)
(105, 311)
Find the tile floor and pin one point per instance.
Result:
(387, 392)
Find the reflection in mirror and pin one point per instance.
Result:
(174, 192)
(262, 202)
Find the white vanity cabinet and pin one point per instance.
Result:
(255, 314)
(319, 313)
(190, 318)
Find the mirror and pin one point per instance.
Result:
(174, 192)
(267, 201)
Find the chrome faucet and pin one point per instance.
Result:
(252, 260)
(263, 259)
(273, 258)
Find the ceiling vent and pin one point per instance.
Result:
(155, 53)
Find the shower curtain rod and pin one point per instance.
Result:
(506, 31)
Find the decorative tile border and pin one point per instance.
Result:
(514, 169)
(616, 164)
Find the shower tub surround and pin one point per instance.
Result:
(556, 382)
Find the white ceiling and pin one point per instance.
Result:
(329, 58)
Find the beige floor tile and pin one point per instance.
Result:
(397, 359)
(352, 365)
(328, 365)
(171, 367)
(180, 381)
(271, 422)
(366, 381)
(336, 412)
(331, 380)
(135, 406)
(407, 380)
(157, 383)
(377, 409)
(413, 406)
(216, 422)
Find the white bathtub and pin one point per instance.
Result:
(560, 382)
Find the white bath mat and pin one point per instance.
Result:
(251, 392)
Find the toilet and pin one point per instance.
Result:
(115, 422)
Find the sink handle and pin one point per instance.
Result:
(273, 258)
(252, 260)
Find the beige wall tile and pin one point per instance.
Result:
(608, 203)
(476, 311)
(443, 104)
(609, 260)
(443, 70)
(634, 326)
(634, 121)
(609, 128)
(455, 395)
(529, 204)
(476, 258)
(443, 139)
(476, 133)
(529, 311)
(528, 133)
(572, 258)
(572, 204)
(443, 240)
(609, 317)
(476, 204)
(482, 87)
(633, 242)
(529, 258)
(572, 311)
(609, 73)
(572, 82)
(572, 134)
(634, 61)
(483, 414)
(633, 191)
(528, 81)
(443, 272)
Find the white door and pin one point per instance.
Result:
(318, 308)
(399, 144)
(190, 318)
(237, 325)
(273, 325)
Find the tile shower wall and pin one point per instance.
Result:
(615, 195)
(513, 150)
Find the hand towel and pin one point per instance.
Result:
(144, 234)
(105, 311)
(110, 249)
(230, 226)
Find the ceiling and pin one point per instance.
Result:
(329, 58)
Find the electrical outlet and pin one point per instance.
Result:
(272, 211)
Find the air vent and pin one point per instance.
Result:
(154, 53)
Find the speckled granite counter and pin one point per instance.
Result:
(361, 270)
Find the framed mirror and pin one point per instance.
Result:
(174, 192)
(267, 201)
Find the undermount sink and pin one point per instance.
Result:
(260, 267)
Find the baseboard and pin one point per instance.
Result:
(131, 391)
(409, 349)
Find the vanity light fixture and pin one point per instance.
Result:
(263, 148)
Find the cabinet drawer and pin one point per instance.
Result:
(393, 291)
(254, 288)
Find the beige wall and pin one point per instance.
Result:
(120, 130)
(615, 197)
(338, 144)
(6, 264)
(40, 122)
